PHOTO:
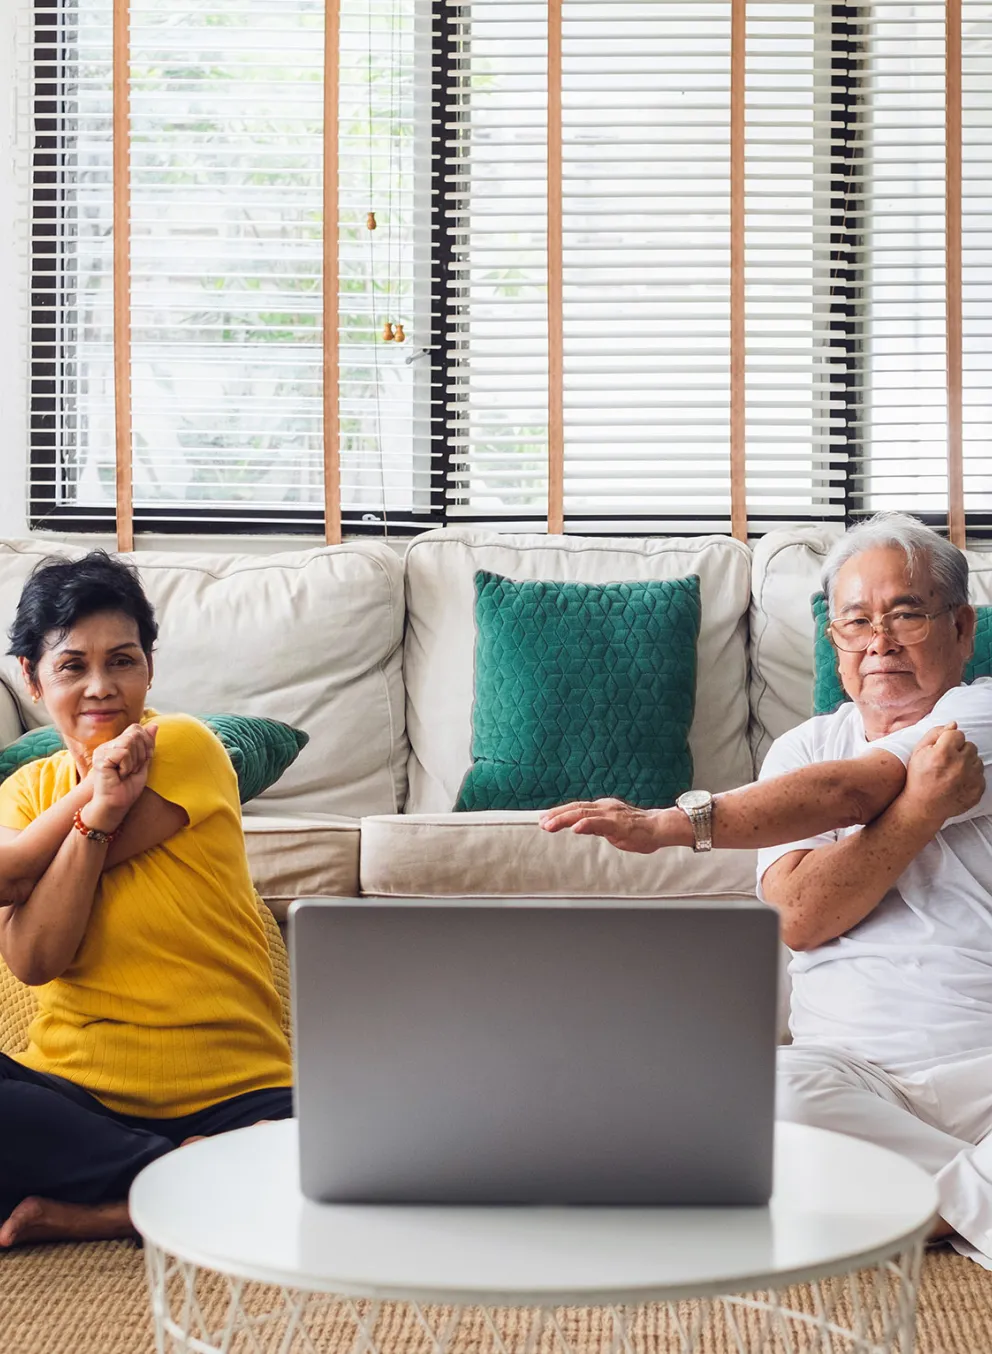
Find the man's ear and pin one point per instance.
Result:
(965, 619)
(34, 690)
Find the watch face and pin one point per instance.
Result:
(694, 799)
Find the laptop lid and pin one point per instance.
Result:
(535, 1052)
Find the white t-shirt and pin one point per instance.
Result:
(911, 984)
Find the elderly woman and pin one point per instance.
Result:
(130, 908)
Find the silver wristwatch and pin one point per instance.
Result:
(697, 805)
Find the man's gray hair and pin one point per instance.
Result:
(947, 564)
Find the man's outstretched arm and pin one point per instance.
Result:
(821, 797)
(814, 799)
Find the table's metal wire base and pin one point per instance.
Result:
(870, 1311)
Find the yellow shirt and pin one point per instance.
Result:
(169, 1005)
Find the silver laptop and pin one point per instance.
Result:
(534, 1052)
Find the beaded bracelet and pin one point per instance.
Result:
(94, 833)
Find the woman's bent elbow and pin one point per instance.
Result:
(34, 970)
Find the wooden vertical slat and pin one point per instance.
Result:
(331, 364)
(952, 125)
(122, 272)
(738, 493)
(556, 364)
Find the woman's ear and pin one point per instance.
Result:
(30, 681)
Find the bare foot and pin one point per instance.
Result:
(940, 1230)
(49, 1220)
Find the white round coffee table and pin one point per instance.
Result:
(224, 1216)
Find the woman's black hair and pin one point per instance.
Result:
(62, 592)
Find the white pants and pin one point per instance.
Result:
(940, 1117)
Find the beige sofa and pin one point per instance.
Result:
(372, 654)
(371, 651)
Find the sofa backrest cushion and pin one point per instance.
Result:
(10, 713)
(785, 576)
(785, 573)
(439, 650)
(310, 637)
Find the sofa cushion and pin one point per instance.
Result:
(10, 716)
(310, 637)
(300, 857)
(785, 576)
(439, 648)
(581, 690)
(502, 853)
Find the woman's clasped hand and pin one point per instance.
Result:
(118, 773)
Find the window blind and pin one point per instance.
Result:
(637, 265)
(976, 252)
(224, 203)
(646, 265)
(903, 409)
(495, 209)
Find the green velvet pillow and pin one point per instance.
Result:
(260, 749)
(827, 690)
(30, 747)
(581, 691)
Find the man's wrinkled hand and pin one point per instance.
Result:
(622, 825)
(945, 776)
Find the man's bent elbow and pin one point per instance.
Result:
(796, 931)
(797, 937)
(879, 780)
(860, 804)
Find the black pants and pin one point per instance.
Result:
(60, 1142)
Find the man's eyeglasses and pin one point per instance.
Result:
(855, 633)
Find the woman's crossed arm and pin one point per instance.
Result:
(49, 873)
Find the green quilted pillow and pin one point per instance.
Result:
(30, 747)
(581, 691)
(827, 690)
(260, 749)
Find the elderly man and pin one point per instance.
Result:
(875, 845)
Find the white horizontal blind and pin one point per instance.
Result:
(976, 251)
(72, 427)
(903, 401)
(226, 307)
(796, 457)
(495, 206)
(226, 158)
(646, 265)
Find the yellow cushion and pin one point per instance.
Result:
(17, 1010)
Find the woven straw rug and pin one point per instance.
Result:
(91, 1299)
